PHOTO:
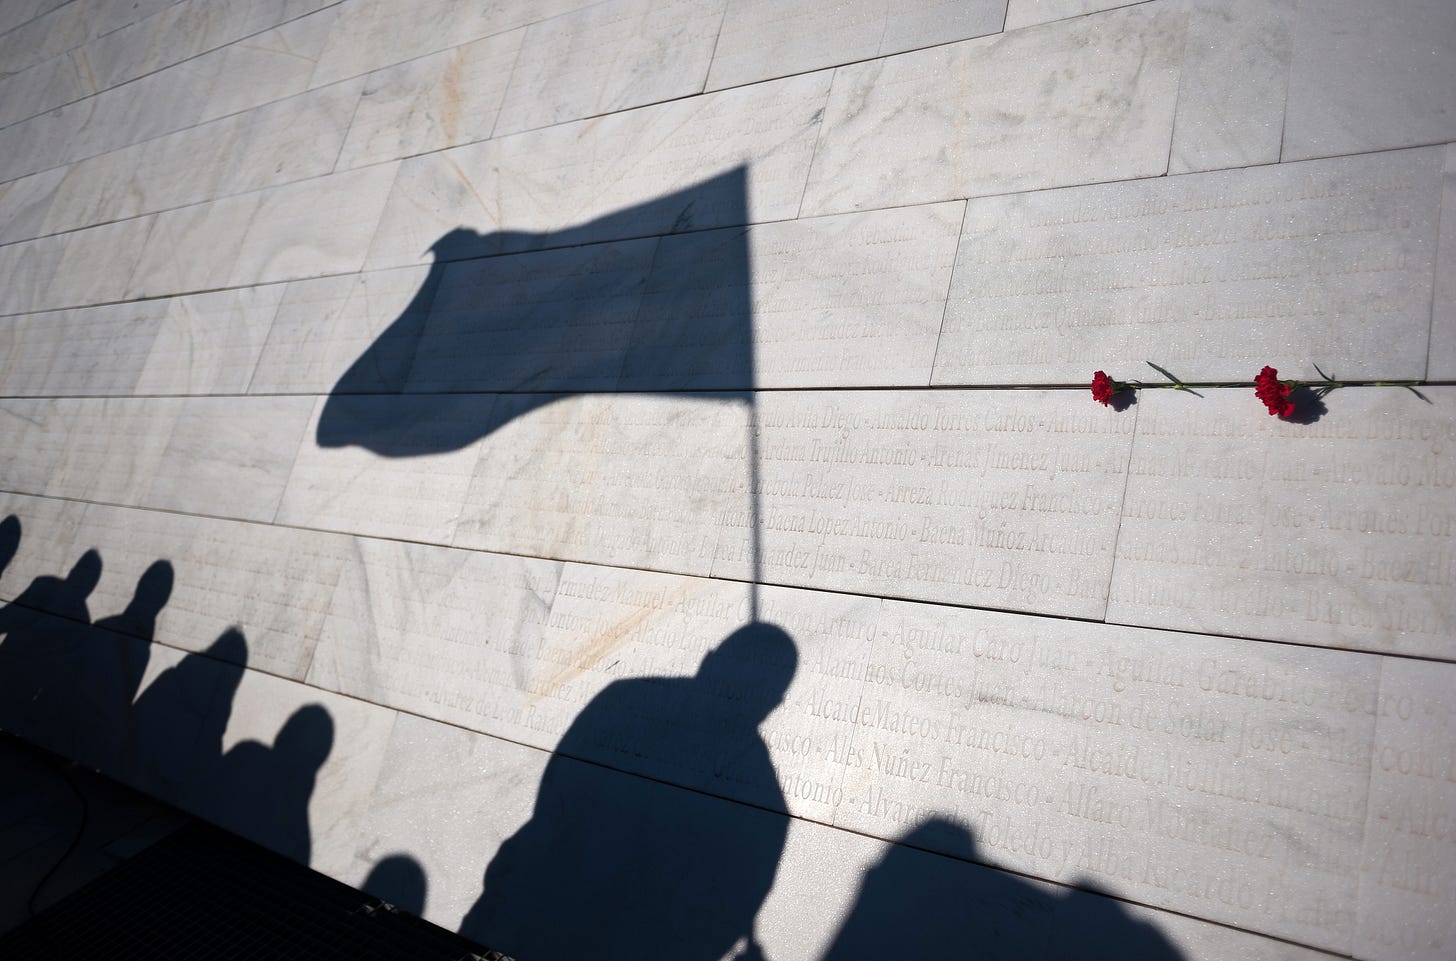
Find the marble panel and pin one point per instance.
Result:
(1370, 78)
(298, 769)
(989, 499)
(761, 39)
(42, 87)
(636, 480)
(89, 351)
(372, 34)
(25, 204)
(42, 37)
(42, 142)
(146, 45)
(1232, 89)
(842, 301)
(210, 343)
(292, 139)
(1335, 528)
(46, 541)
(313, 227)
(107, 187)
(193, 248)
(111, 447)
(37, 427)
(272, 583)
(26, 270)
(1408, 877)
(98, 263)
(439, 632)
(229, 456)
(1442, 362)
(608, 57)
(19, 12)
(554, 320)
(839, 895)
(1221, 778)
(671, 167)
(441, 100)
(323, 325)
(448, 798)
(1327, 262)
(271, 65)
(1080, 102)
(416, 493)
(1025, 13)
(154, 105)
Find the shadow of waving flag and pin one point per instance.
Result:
(640, 300)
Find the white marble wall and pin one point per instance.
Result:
(466, 360)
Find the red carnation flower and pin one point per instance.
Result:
(1273, 392)
(1102, 388)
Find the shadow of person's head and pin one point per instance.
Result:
(153, 590)
(306, 739)
(398, 880)
(751, 668)
(85, 575)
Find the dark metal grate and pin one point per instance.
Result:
(204, 894)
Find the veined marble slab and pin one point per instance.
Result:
(157, 104)
(115, 185)
(553, 320)
(443, 633)
(1442, 362)
(441, 100)
(1370, 78)
(1325, 263)
(415, 494)
(609, 56)
(989, 499)
(372, 34)
(299, 769)
(1338, 532)
(43, 86)
(221, 456)
(1233, 85)
(210, 343)
(37, 427)
(636, 480)
(640, 172)
(229, 456)
(761, 39)
(313, 227)
(25, 204)
(287, 140)
(273, 583)
(1068, 103)
(1408, 876)
(323, 325)
(1025, 13)
(1220, 778)
(90, 350)
(20, 12)
(98, 263)
(851, 300)
(193, 248)
(188, 29)
(271, 65)
(26, 269)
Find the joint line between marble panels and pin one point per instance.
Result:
(1369, 785)
(348, 128)
(708, 71)
(293, 464)
(818, 138)
(1121, 505)
(505, 92)
(945, 303)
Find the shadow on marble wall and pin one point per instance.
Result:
(602, 306)
(648, 869)
(916, 904)
(73, 685)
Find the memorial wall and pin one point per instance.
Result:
(635, 460)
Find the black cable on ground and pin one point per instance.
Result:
(65, 770)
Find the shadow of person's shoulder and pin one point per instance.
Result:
(1093, 925)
